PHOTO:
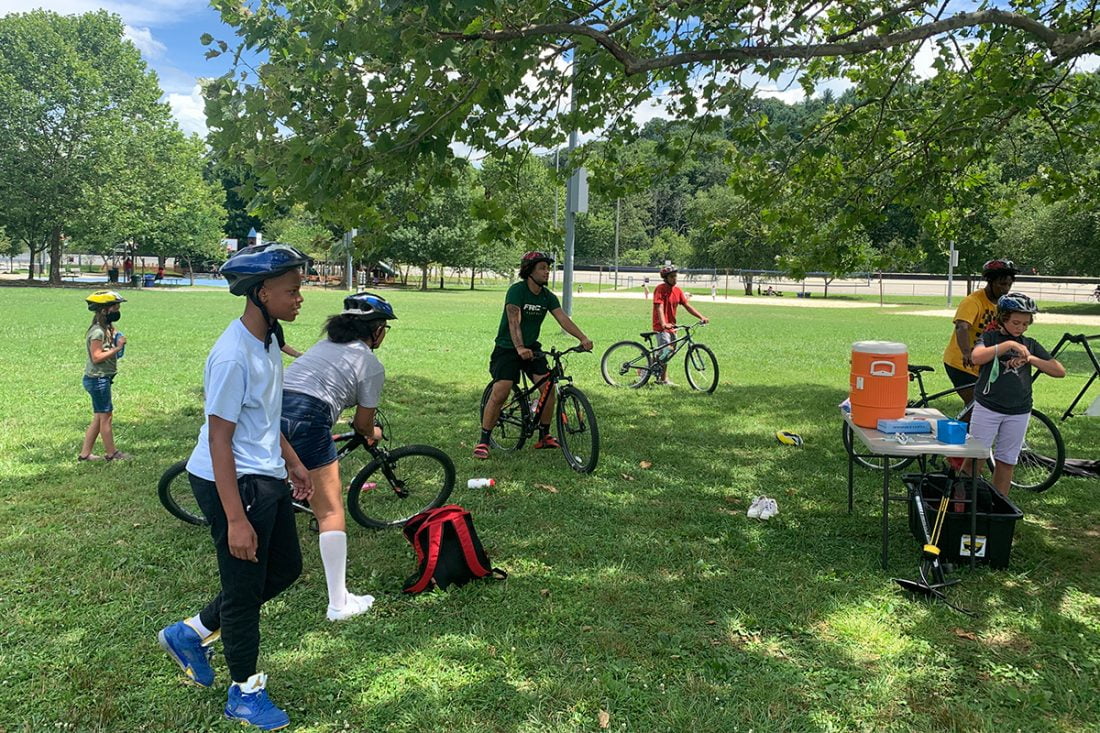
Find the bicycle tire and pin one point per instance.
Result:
(174, 491)
(578, 432)
(1042, 457)
(626, 364)
(510, 432)
(698, 358)
(408, 480)
(897, 463)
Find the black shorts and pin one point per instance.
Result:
(958, 377)
(504, 363)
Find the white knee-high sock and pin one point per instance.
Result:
(334, 556)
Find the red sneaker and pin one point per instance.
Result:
(547, 441)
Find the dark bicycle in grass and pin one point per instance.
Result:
(574, 418)
(629, 364)
(395, 485)
(1041, 460)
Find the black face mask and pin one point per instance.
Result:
(112, 317)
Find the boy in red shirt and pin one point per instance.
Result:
(666, 297)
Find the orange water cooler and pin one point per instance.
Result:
(879, 382)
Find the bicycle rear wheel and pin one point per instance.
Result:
(174, 491)
(577, 430)
(626, 364)
(875, 464)
(510, 432)
(701, 368)
(1042, 457)
(402, 483)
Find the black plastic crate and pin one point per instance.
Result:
(997, 517)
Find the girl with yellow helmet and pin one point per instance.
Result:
(104, 345)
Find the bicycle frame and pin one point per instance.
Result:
(676, 345)
(554, 377)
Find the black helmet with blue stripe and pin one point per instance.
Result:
(250, 266)
(369, 306)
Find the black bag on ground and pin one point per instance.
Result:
(448, 551)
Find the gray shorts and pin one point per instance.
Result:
(1004, 432)
(663, 339)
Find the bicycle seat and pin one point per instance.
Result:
(915, 369)
(648, 334)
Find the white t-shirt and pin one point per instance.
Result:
(243, 383)
(342, 375)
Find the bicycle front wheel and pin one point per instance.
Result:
(1042, 457)
(510, 432)
(701, 368)
(402, 483)
(626, 364)
(577, 431)
(174, 490)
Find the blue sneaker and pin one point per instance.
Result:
(250, 704)
(184, 645)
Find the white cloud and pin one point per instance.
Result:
(188, 111)
(143, 39)
(149, 12)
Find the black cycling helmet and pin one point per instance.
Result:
(530, 259)
(369, 306)
(994, 269)
(1015, 303)
(250, 266)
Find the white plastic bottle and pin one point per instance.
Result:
(480, 483)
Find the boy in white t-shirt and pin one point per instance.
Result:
(238, 472)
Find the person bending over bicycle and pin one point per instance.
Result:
(976, 313)
(525, 306)
(238, 473)
(1003, 400)
(666, 297)
(337, 372)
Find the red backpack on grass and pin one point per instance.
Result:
(448, 551)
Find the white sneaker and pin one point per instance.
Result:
(769, 509)
(355, 605)
(755, 507)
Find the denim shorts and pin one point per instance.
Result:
(100, 390)
(307, 426)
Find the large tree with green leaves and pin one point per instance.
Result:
(76, 103)
(347, 88)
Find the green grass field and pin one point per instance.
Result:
(641, 592)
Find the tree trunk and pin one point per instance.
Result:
(423, 277)
(55, 256)
(747, 279)
(827, 281)
(473, 274)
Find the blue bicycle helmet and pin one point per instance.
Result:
(368, 305)
(1015, 303)
(250, 266)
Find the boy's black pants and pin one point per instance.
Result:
(247, 585)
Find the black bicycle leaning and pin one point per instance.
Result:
(1041, 459)
(575, 421)
(394, 486)
(629, 364)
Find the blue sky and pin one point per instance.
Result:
(167, 34)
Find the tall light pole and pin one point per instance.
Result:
(570, 201)
(618, 207)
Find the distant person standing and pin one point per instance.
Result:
(645, 288)
(127, 268)
(160, 273)
(666, 298)
(975, 314)
(104, 346)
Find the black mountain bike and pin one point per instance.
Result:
(395, 485)
(629, 364)
(1041, 460)
(577, 431)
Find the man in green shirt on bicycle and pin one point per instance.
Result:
(517, 345)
